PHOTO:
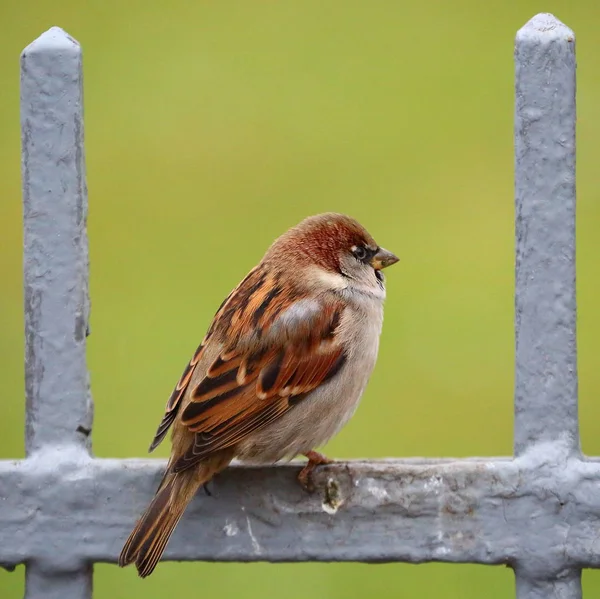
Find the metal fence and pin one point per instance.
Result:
(538, 512)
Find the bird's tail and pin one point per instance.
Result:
(148, 540)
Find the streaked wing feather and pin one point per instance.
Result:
(172, 407)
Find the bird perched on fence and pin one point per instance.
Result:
(281, 369)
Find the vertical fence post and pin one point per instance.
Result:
(59, 405)
(545, 304)
(545, 309)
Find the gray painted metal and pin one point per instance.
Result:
(62, 510)
(59, 405)
(546, 353)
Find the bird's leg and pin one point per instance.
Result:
(305, 476)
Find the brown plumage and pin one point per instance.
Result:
(276, 373)
(149, 538)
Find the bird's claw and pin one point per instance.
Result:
(305, 476)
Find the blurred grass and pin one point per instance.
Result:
(210, 129)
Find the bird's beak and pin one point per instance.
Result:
(382, 259)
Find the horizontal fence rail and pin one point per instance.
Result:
(61, 510)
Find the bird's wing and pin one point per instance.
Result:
(276, 348)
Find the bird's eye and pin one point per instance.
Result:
(360, 253)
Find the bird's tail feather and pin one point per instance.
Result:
(151, 534)
(149, 538)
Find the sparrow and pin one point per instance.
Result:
(280, 371)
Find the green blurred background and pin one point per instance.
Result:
(210, 129)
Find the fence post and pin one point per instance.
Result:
(545, 310)
(59, 405)
(546, 418)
